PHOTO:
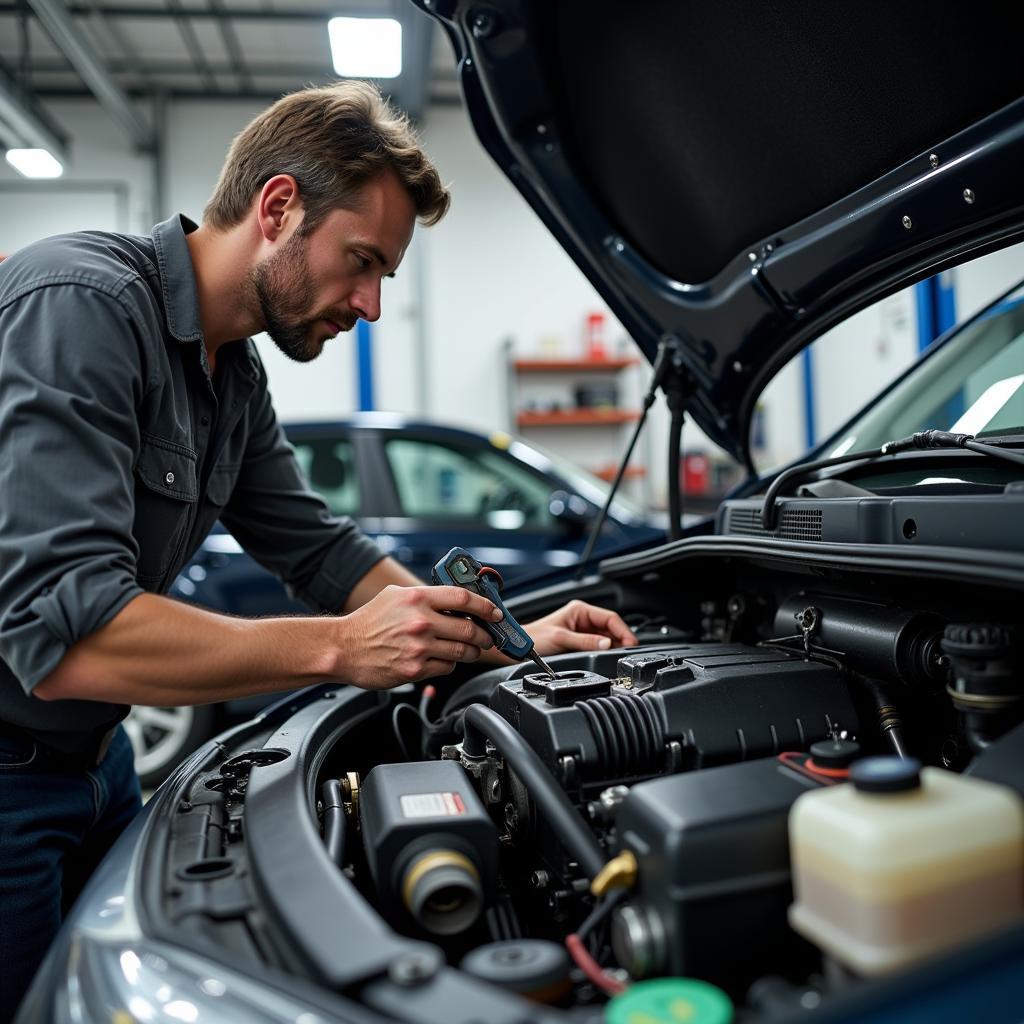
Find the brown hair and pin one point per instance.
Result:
(332, 141)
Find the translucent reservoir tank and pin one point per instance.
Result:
(902, 863)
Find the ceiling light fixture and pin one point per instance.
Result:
(35, 163)
(366, 47)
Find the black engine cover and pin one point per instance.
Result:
(668, 710)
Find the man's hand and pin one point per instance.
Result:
(578, 626)
(402, 635)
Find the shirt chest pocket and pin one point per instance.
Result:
(166, 490)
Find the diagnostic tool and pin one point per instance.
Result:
(460, 569)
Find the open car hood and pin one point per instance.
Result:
(740, 177)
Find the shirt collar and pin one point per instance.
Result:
(181, 297)
(177, 278)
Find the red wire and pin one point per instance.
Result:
(486, 570)
(591, 968)
(835, 773)
(807, 767)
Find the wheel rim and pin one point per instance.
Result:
(158, 735)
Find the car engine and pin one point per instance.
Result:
(631, 818)
(804, 784)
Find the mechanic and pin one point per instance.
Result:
(134, 413)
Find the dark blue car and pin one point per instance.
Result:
(418, 489)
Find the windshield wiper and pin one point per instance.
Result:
(923, 440)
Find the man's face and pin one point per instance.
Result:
(318, 285)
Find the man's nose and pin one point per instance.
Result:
(366, 302)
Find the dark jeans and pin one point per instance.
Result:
(55, 826)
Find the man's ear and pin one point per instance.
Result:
(278, 206)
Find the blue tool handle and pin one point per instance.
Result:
(459, 568)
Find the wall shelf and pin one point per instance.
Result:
(576, 418)
(568, 401)
(572, 365)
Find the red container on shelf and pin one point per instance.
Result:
(594, 346)
(696, 473)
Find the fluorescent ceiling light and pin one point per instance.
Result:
(366, 47)
(35, 163)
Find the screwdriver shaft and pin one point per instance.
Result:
(541, 663)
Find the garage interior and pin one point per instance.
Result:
(489, 326)
(142, 100)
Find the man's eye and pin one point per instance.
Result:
(361, 261)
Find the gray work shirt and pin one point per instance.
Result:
(119, 451)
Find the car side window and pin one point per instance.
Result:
(329, 466)
(438, 481)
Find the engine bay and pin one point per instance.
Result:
(563, 839)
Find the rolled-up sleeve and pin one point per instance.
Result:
(71, 379)
(288, 528)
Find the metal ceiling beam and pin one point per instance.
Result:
(242, 13)
(436, 99)
(109, 28)
(195, 51)
(136, 66)
(69, 38)
(23, 123)
(231, 44)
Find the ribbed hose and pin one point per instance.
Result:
(628, 733)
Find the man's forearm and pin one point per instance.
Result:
(385, 573)
(158, 651)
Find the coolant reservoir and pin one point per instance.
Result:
(903, 863)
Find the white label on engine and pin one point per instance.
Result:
(432, 805)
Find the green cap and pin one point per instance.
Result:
(670, 1001)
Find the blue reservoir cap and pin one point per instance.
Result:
(886, 774)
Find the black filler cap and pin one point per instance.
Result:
(886, 774)
(526, 966)
(834, 753)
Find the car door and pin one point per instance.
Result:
(451, 492)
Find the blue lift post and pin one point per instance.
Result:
(364, 365)
(936, 308)
(809, 424)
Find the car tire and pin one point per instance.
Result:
(163, 737)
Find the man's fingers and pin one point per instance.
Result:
(571, 641)
(616, 627)
(608, 622)
(457, 628)
(436, 667)
(460, 652)
(463, 602)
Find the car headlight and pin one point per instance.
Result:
(104, 969)
(112, 981)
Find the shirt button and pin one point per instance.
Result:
(205, 420)
(169, 479)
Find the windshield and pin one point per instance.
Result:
(974, 384)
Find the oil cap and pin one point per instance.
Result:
(834, 753)
(886, 774)
(669, 1001)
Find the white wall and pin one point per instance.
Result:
(978, 282)
(106, 185)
